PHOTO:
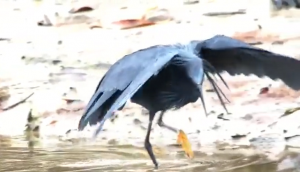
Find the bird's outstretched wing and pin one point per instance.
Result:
(125, 77)
(279, 4)
(236, 57)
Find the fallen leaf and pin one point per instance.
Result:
(53, 122)
(71, 96)
(80, 9)
(254, 36)
(264, 90)
(147, 17)
(123, 24)
(185, 143)
(132, 23)
(290, 111)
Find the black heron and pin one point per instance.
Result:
(280, 4)
(163, 77)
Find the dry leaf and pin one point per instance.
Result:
(149, 16)
(81, 9)
(132, 23)
(185, 143)
(290, 111)
(256, 35)
(262, 36)
(53, 122)
(123, 24)
(71, 96)
(264, 90)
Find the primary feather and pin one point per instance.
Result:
(236, 57)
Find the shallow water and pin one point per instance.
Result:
(67, 158)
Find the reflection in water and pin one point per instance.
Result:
(127, 158)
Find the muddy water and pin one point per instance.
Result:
(66, 158)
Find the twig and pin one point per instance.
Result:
(18, 103)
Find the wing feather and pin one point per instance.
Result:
(237, 57)
(120, 75)
(159, 60)
(93, 110)
(114, 82)
(125, 77)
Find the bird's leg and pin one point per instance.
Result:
(147, 143)
(162, 124)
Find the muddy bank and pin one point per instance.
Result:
(256, 120)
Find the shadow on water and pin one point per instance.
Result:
(64, 158)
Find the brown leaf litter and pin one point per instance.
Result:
(129, 18)
(260, 36)
(80, 9)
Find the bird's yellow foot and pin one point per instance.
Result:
(185, 143)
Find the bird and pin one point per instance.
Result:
(280, 4)
(168, 77)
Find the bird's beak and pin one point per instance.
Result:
(202, 99)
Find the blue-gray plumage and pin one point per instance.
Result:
(158, 78)
(280, 4)
(163, 77)
(236, 57)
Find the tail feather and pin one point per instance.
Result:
(97, 108)
(94, 109)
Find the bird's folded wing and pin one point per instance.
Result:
(157, 62)
(95, 97)
(92, 109)
(237, 57)
(120, 75)
(117, 79)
